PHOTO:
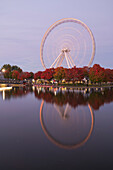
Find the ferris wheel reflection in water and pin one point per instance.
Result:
(65, 126)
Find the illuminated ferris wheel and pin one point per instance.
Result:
(68, 43)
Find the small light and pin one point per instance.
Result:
(3, 70)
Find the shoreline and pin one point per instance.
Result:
(75, 87)
(58, 86)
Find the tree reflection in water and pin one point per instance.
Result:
(94, 98)
(66, 117)
(72, 107)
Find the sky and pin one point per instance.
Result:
(24, 22)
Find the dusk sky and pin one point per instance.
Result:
(24, 22)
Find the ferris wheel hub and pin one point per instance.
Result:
(65, 50)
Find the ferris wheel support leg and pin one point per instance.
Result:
(58, 110)
(71, 60)
(67, 110)
(55, 60)
(58, 61)
(67, 59)
(61, 60)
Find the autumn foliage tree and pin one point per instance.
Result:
(48, 74)
(37, 75)
(59, 73)
(97, 74)
(68, 74)
(15, 74)
(7, 74)
(109, 75)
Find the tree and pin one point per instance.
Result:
(59, 73)
(80, 74)
(74, 72)
(15, 75)
(31, 75)
(97, 74)
(68, 75)
(109, 75)
(27, 75)
(37, 75)
(86, 73)
(16, 68)
(47, 74)
(6, 67)
(7, 74)
(21, 76)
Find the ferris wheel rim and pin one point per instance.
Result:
(65, 20)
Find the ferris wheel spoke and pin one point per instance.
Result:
(55, 60)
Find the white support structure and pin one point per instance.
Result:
(63, 112)
(71, 60)
(58, 61)
(67, 110)
(67, 59)
(64, 54)
(55, 60)
(61, 60)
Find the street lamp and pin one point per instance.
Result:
(3, 70)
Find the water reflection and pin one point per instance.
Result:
(74, 99)
(66, 116)
(15, 92)
(65, 126)
(59, 97)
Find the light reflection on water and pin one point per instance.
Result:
(73, 129)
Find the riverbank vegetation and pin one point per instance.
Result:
(95, 74)
(60, 75)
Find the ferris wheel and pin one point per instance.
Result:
(68, 42)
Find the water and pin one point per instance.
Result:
(46, 129)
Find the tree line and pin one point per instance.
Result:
(95, 74)
(15, 72)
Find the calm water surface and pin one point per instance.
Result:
(54, 129)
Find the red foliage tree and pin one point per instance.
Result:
(15, 75)
(59, 73)
(109, 75)
(27, 75)
(7, 74)
(68, 75)
(74, 74)
(97, 74)
(80, 74)
(47, 74)
(37, 75)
